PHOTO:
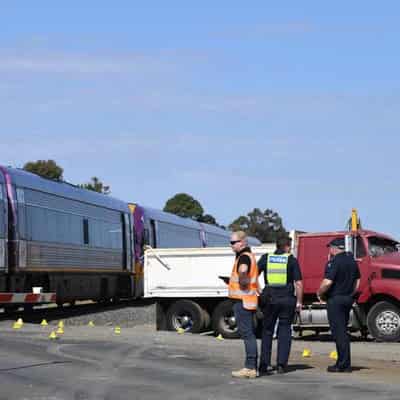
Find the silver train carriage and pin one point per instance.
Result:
(64, 239)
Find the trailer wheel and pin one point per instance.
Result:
(186, 315)
(223, 320)
(383, 321)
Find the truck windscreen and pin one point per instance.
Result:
(378, 246)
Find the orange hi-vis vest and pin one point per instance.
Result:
(249, 297)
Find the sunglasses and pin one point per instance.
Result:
(232, 242)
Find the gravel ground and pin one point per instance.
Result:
(140, 312)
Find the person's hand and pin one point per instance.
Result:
(299, 306)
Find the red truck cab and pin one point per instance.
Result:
(378, 306)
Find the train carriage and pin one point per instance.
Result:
(67, 240)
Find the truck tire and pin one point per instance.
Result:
(383, 321)
(186, 315)
(223, 320)
(206, 319)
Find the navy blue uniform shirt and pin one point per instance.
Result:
(293, 274)
(343, 270)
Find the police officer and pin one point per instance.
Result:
(284, 284)
(342, 278)
(243, 290)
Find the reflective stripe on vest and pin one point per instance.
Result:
(277, 269)
(249, 297)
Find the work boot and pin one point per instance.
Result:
(281, 369)
(335, 368)
(245, 373)
(265, 370)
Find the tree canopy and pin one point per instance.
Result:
(45, 168)
(51, 170)
(207, 219)
(184, 205)
(264, 225)
(96, 185)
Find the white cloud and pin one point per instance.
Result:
(73, 63)
(87, 63)
(296, 29)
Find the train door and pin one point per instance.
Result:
(138, 242)
(3, 228)
(21, 212)
(126, 237)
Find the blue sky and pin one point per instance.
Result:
(293, 106)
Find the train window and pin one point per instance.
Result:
(85, 231)
(172, 235)
(217, 240)
(153, 233)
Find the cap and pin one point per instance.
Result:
(338, 242)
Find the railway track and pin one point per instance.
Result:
(129, 312)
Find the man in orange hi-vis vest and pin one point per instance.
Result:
(243, 291)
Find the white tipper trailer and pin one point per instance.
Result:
(190, 287)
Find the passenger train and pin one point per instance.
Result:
(81, 244)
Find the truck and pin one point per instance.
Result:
(191, 295)
(377, 308)
(190, 290)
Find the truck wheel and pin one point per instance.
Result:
(223, 320)
(206, 319)
(383, 321)
(186, 315)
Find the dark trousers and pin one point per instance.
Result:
(283, 308)
(245, 322)
(339, 308)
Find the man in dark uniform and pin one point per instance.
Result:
(342, 278)
(282, 275)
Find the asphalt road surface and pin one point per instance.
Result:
(140, 363)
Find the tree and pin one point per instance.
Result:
(207, 219)
(45, 168)
(266, 226)
(96, 185)
(184, 205)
